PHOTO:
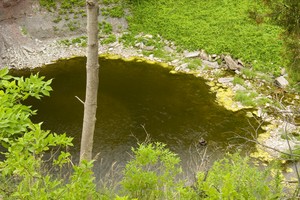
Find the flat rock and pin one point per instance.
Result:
(281, 82)
(231, 63)
(209, 64)
(192, 54)
(225, 80)
(148, 48)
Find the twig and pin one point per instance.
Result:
(79, 99)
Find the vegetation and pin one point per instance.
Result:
(218, 27)
(24, 174)
(233, 178)
(286, 13)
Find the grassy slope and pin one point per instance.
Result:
(218, 26)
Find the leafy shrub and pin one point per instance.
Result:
(234, 178)
(152, 173)
(23, 171)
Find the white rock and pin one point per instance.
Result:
(225, 80)
(192, 54)
(209, 64)
(281, 82)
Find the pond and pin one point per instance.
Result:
(136, 98)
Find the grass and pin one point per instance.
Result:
(247, 98)
(219, 27)
(238, 80)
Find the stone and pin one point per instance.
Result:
(148, 36)
(192, 54)
(148, 48)
(281, 82)
(209, 64)
(232, 64)
(168, 49)
(28, 49)
(238, 87)
(203, 55)
(225, 80)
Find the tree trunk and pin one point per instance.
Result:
(92, 81)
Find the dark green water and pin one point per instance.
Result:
(174, 109)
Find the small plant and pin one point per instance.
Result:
(238, 80)
(110, 39)
(105, 27)
(57, 19)
(24, 30)
(152, 173)
(249, 73)
(247, 98)
(194, 63)
(234, 178)
(73, 25)
(116, 11)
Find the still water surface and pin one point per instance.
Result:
(176, 109)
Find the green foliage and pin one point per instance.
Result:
(80, 41)
(292, 156)
(152, 173)
(194, 63)
(24, 30)
(238, 80)
(73, 25)
(48, 4)
(105, 28)
(23, 171)
(115, 11)
(246, 98)
(205, 25)
(233, 178)
(110, 39)
(286, 13)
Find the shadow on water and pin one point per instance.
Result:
(176, 109)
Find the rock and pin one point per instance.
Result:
(209, 64)
(239, 62)
(148, 48)
(231, 63)
(175, 61)
(282, 71)
(148, 36)
(203, 55)
(238, 87)
(192, 54)
(281, 82)
(225, 80)
(28, 49)
(168, 49)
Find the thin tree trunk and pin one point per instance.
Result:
(92, 81)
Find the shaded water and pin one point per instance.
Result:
(175, 109)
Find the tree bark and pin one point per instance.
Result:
(92, 81)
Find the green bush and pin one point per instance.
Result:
(23, 171)
(234, 178)
(152, 174)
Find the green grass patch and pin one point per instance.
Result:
(110, 39)
(238, 80)
(115, 11)
(217, 26)
(105, 28)
(247, 98)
